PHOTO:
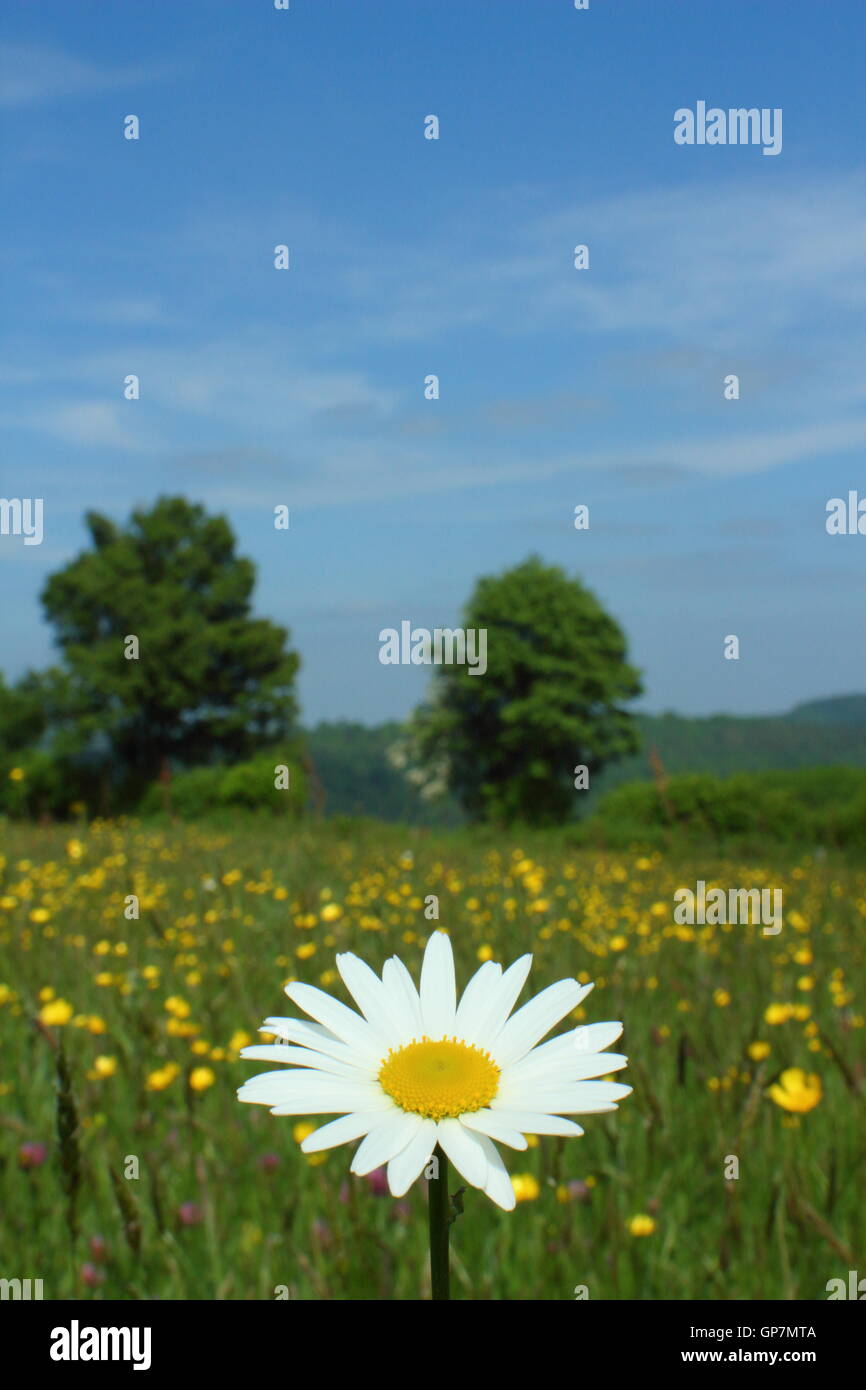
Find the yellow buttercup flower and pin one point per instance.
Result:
(796, 1092)
(200, 1078)
(758, 1051)
(17, 774)
(641, 1225)
(777, 1013)
(57, 1012)
(526, 1187)
(162, 1077)
(177, 1006)
(176, 1028)
(102, 1067)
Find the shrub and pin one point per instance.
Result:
(807, 806)
(33, 784)
(202, 792)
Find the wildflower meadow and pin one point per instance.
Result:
(138, 959)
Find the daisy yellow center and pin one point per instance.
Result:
(439, 1080)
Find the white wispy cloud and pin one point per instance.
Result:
(688, 261)
(32, 75)
(768, 275)
(364, 473)
(92, 423)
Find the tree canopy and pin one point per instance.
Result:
(163, 656)
(507, 742)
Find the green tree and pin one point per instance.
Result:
(506, 742)
(23, 717)
(210, 683)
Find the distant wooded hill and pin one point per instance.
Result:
(352, 766)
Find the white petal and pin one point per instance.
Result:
(499, 1187)
(298, 1092)
(301, 1080)
(336, 1105)
(299, 1057)
(595, 1037)
(438, 987)
(598, 1064)
(340, 1131)
(370, 995)
(524, 1029)
(581, 1098)
(502, 998)
(313, 1036)
(405, 1168)
(386, 1141)
(465, 1151)
(348, 1026)
(551, 1052)
(570, 1044)
(475, 999)
(571, 1068)
(533, 1122)
(495, 1127)
(275, 1025)
(401, 986)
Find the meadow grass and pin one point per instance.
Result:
(119, 1042)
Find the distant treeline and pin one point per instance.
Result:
(794, 778)
(351, 760)
(806, 808)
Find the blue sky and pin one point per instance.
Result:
(454, 257)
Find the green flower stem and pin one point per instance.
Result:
(440, 1220)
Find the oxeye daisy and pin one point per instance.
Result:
(415, 1069)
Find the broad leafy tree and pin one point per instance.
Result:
(552, 698)
(164, 659)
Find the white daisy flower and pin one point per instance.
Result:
(416, 1068)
